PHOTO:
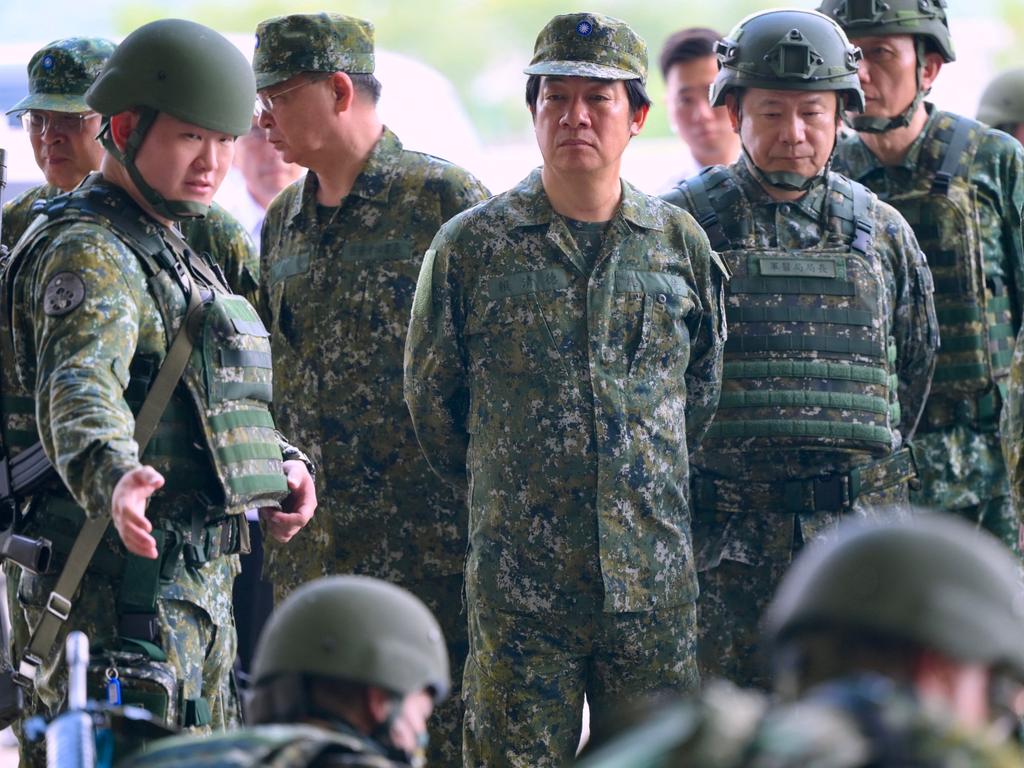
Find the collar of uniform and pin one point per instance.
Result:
(810, 204)
(531, 206)
(373, 183)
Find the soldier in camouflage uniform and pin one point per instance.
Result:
(895, 645)
(960, 185)
(346, 674)
(341, 249)
(93, 296)
(63, 130)
(564, 352)
(829, 303)
(1002, 103)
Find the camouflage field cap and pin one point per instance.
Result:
(60, 73)
(311, 42)
(589, 45)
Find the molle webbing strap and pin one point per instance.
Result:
(950, 165)
(706, 215)
(792, 285)
(804, 343)
(799, 399)
(790, 314)
(806, 369)
(58, 605)
(800, 428)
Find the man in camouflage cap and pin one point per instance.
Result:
(895, 644)
(95, 301)
(63, 132)
(340, 253)
(564, 352)
(960, 185)
(1002, 103)
(832, 331)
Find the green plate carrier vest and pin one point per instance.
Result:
(973, 309)
(227, 384)
(809, 362)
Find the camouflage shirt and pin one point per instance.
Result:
(218, 234)
(960, 465)
(337, 287)
(859, 722)
(272, 746)
(570, 397)
(798, 225)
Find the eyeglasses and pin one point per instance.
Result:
(265, 101)
(36, 122)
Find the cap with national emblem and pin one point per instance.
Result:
(60, 73)
(589, 45)
(311, 42)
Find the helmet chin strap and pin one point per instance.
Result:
(785, 180)
(175, 210)
(869, 124)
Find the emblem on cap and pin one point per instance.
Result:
(47, 62)
(584, 28)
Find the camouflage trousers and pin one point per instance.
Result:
(962, 471)
(527, 674)
(199, 651)
(744, 555)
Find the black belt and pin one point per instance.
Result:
(828, 493)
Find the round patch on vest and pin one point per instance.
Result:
(64, 293)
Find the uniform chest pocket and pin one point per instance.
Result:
(236, 352)
(651, 324)
(508, 328)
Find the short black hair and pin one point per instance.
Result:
(635, 92)
(687, 45)
(367, 84)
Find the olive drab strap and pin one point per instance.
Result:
(58, 605)
(950, 166)
(808, 359)
(704, 211)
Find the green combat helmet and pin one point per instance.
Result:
(924, 19)
(933, 580)
(61, 72)
(1002, 103)
(351, 628)
(184, 69)
(589, 45)
(311, 42)
(788, 50)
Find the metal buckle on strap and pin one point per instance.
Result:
(59, 606)
(25, 675)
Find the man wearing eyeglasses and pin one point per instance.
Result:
(63, 133)
(340, 254)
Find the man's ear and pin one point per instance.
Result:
(639, 118)
(732, 105)
(121, 126)
(344, 91)
(932, 65)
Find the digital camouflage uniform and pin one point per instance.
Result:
(957, 445)
(93, 304)
(570, 396)
(337, 287)
(852, 723)
(269, 746)
(754, 495)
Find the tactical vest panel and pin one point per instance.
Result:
(975, 321)
(808, 362)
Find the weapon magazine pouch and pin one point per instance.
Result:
(138, 674)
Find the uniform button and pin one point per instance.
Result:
(662, 298)
(784, 208)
